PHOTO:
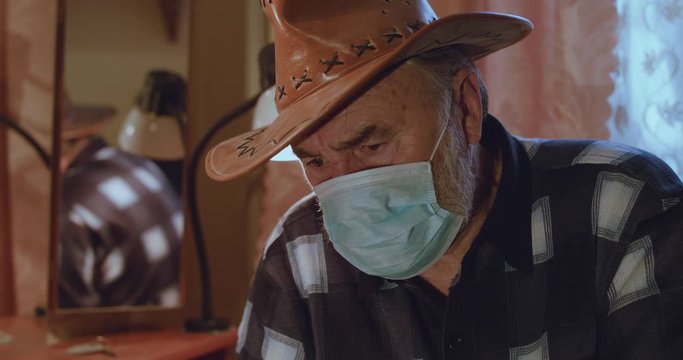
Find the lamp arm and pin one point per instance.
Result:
(207, 322)
(40, 150)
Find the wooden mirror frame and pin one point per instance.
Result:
(7, 306)
(66, 323)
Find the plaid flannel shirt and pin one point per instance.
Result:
(581, 257)
(120, 230)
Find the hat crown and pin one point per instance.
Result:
(317, 41)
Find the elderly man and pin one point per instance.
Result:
(441, 235)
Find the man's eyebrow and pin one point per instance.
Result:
(361, 136)
(301, 153)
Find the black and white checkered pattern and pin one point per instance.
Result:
(277, 346)
(541, 230)
(538, 350)
(635, 277)
(580, 258)
(307, 259)
(614, 198)
(243, 327)
(605, 153)
(120, 232)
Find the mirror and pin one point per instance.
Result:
(120, 218)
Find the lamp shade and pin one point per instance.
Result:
(265, 113)
(154, 125)
(155, 136)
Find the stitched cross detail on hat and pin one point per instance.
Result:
(332, 62)
(392, 35)
(301, 80)
(327, 53)
(355, 30)
(362, 48)
(416, 25)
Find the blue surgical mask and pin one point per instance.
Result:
(386, 221)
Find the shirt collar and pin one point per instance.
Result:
(508, 225)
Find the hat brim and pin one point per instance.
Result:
(476, 35)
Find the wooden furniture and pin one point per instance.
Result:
(6, 265)
(29, 342)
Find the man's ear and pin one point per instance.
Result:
(467, 95)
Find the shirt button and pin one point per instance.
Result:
(456, 341)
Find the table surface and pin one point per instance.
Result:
(29, 342)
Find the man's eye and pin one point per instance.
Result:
(373, 147)
(315, 162)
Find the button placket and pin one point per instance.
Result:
(458, 324)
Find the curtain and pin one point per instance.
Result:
(556, 82)
(605, 69)
(648, 109)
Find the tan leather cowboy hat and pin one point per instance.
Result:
(329, 52)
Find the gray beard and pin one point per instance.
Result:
(453, 169)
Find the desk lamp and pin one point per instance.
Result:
(154, 126)
(265, 113)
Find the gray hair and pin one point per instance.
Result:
(453, 166)
(441, 65)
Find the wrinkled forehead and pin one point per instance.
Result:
(387, 104)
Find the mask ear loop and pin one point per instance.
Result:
(445, 126)
(438, 142)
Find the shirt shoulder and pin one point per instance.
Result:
(303, 218)
(299, 260)
(292, 268)
(297, 235)
(604, 158)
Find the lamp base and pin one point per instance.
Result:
(206, 325)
